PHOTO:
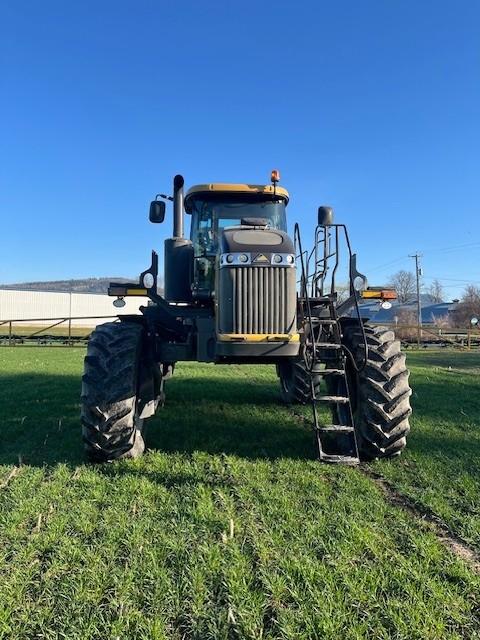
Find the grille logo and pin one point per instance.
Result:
(261, 258)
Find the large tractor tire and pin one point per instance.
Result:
(295, 382)
(379, 390)
(111, 426)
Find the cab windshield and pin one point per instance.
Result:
(210, 217)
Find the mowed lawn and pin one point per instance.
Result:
(229, 527)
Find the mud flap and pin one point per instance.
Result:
(150, 391)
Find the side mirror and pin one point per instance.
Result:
(325, 216)
(157, 211)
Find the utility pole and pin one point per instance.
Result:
(418, 271)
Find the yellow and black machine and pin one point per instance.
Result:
(242, 290)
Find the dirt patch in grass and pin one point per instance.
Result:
(429, 520)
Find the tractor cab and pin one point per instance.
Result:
(216, 207)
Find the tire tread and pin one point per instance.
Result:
(110, 427)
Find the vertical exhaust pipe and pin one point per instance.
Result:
(178, 183)
(178, 266)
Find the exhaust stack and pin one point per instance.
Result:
(178, 253)
(178, 183)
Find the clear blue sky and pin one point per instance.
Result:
(371, 107)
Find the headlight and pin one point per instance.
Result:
(359, 283)
(243, 257)
(229, 258)
(277, 259)
(148, 281)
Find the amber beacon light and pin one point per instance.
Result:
(275, 176)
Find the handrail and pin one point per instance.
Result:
(62, 318)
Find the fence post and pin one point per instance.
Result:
(70, 320)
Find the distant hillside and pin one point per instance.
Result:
(86, 285)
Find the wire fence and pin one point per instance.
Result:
(425, 336)
(17, 332)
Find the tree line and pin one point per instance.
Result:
(79, 285)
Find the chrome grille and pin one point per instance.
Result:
(261, 300)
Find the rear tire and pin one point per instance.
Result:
(295, 382)
(380, 393)
(111, 427)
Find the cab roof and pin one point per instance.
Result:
(251, 189)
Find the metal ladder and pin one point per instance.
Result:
(337, 442)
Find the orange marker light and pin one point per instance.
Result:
(275, 176)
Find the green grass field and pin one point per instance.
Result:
(229, 527)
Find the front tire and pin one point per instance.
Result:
(111, 426)
(379, 391)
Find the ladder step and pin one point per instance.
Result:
(329, 372)
(328, 345)
(323, 300)
(326, 321)
(335, 428)
(318, 369)
(339, 459)
(334, 399)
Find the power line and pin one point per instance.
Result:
(387, 264)
(464, 275)
(450, 286)
(455, 248)
(451, 279)
(429, 252)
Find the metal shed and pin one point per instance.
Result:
(39, 306)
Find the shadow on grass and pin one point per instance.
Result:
(446, 418)
(458, 447)
(217, 413)
(453, 399)
(40, 422)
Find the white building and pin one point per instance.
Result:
(43, 307)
